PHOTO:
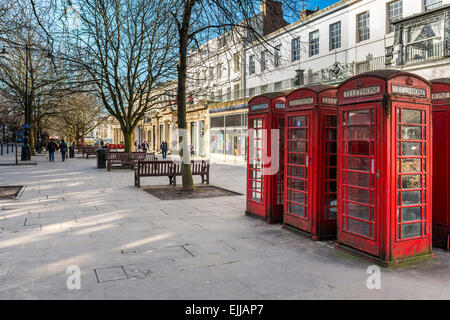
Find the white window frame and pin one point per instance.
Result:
(295, 49)
(389, 11)
(431, 4)
(335, 38)
(314, 43)
(363, 27)
(251, 65)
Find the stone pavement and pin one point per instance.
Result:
(130, 245)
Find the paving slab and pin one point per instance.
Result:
(139, 247)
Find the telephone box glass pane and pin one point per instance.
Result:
(330, 167)
(297, 166)
(412, 167)
(411, 116)
(358, 171)
(411, 133)
(411, 230)
(256, 145)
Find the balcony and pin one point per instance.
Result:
(426, 51)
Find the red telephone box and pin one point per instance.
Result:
(265, 158)
(441, 162)
(310, 198)
(385, 165)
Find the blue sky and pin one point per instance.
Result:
(291, 16)
(321, 3)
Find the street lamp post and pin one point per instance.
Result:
(26, 152)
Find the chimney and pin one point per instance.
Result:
(273, 15)
(306, 12)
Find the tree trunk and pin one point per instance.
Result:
(128, 137)
(32, 139)
(15, 142)
(186, 173)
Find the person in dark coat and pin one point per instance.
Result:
(144, 147)
(63, 149)
(51, 148)
(164, 149)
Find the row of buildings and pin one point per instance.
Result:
(324, 46)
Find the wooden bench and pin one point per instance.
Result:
(89, 151)
(200, 168)
(169, 169)
(156, 169)
(122, 158)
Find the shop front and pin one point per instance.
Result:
(228, 132)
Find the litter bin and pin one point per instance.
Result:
(101, 158)
(71, 152)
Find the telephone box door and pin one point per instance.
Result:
(256, 195)
(298, 170)
(358, 165)
(441, 183)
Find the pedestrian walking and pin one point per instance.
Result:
(51, 148)
(144, 147)
(63, 149)
(164, 149)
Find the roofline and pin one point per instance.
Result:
(397, 74)
(310, 18)
(422, 14)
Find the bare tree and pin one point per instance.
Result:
(125, 46)
(10, 118)
(200, 20)
(78, 115)
(31, 78)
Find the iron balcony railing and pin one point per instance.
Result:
(426, 51)
(308, 78)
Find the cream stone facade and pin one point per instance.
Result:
(324, 46)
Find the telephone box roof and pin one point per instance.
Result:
(319, 87)
(269, 96)
(441, 80)
(385, 74)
